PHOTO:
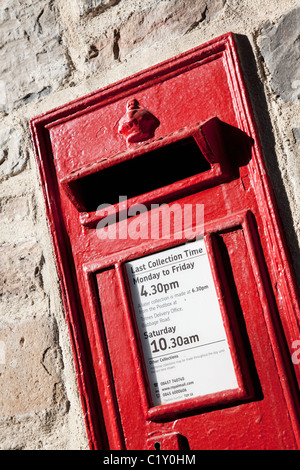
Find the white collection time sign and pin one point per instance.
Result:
(185, 347)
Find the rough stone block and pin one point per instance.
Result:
(20, 274)
(13, 209)
(30, 366)
(296, 134)
(280, 47)
(150, 25)
(167, 19)
(32, 58)
(13, 157)
(95, 6)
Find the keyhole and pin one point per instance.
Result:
(157, 445)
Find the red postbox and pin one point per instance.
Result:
(178, 289)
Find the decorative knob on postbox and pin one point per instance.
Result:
(137, 124)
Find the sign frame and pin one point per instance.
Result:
(242, 392)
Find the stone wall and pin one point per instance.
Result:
(53, 51)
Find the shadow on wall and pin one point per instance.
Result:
(265, 129)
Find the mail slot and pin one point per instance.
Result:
(177, 284)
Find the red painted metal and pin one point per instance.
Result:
(199, 97)
(137, 124)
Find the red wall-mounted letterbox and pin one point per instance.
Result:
(178, 290)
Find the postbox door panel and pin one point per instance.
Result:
(261, 416)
